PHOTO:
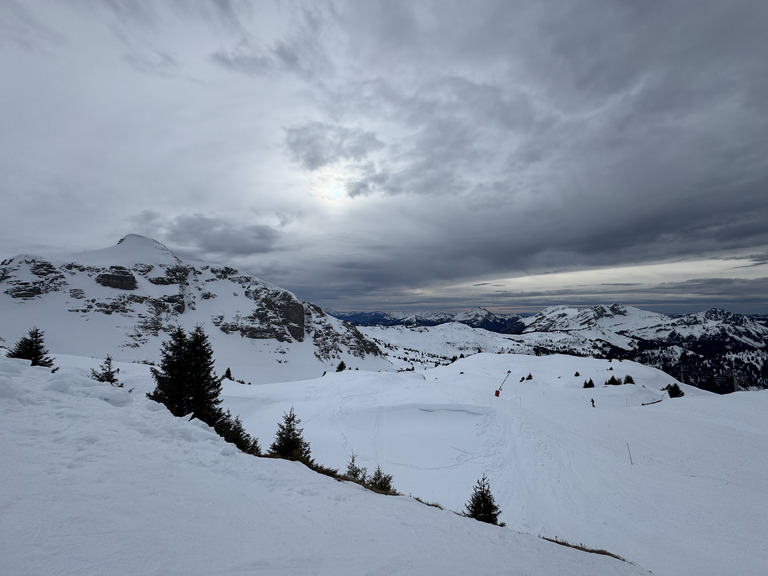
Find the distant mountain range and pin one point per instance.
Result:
(714, 350)
(474, 317)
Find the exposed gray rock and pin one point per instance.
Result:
(118, 277)
(25, 290)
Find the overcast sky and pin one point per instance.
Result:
(401, 155)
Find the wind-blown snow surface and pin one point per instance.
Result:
(96, 481)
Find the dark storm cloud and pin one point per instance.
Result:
(316, 144)
(418, 145)
(205, 236)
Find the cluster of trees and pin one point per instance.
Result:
(187, 385)
(378, 481)
(613, 381)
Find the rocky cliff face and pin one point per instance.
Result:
(141, 289)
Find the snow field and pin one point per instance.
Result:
(97, 480)
(692, 500)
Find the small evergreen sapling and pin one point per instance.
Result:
(289, 442)
(341, 366)
(481, 505)
(355, 472)
(380, 482)
(106, 373)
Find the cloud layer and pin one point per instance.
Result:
(394, 154)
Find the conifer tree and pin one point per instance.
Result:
(203, 387)
(234, 432)
(341, 366)
(171, 377)
(355, 472)
(106, 373)
(481, 505)
(289, 442)
(186, 382)
(31, 347)
(381, 482)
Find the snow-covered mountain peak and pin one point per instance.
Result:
(476, 313)
(130, 250)
(123, 300)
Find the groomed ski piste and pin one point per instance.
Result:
(100, 480)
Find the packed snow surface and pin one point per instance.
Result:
(97, 480)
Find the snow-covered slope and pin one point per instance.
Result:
(679, 486)
(122, 300)
(99, 481)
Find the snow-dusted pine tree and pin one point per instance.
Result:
(289, 442)
(481, 505)
(32, 347)
(106, 373)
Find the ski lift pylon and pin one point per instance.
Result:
(498, 390)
